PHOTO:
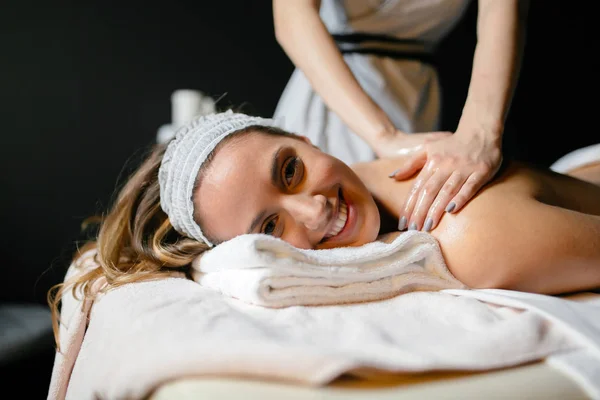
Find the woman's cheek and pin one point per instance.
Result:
(329, 171)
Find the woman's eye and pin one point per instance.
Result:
(270, 225)
(293, 170)
(290, 170)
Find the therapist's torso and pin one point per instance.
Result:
(405, 86)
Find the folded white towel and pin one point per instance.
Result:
(263, 270)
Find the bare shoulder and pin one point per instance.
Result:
(387, 191)
(507, 235)
(375, 169)
(520, 233)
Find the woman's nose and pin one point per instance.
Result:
(311, 210)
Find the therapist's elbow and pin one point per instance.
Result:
(281, 34)
(281, 28)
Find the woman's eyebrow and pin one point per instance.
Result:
(275, 180)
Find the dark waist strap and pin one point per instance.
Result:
(385, 46)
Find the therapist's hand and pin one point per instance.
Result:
(400, 144)
(452, 171)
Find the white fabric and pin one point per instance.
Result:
(181, 162)
(73, 320)
(582, 366)
(141, 335)
(577, 158)
(407, 90)
(580, 318)
(264, 270)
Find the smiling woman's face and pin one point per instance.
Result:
(285, 187)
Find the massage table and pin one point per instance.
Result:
(523, 380)
(533, 381)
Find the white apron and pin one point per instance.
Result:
(406, 89)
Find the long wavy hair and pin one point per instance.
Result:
(136, 241)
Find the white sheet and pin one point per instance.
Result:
(580, 318)
(142, 335)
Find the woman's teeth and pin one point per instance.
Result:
(340, 222)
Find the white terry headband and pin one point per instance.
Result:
(184, 157)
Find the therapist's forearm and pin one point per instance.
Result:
(496, 67)
(305, 39)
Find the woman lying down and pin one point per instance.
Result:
(229, 174)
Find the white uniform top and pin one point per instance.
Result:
(406, 89)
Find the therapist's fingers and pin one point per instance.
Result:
(467, 191)
(426, 197)
(442, 202)
(409, 166)
(411, 201)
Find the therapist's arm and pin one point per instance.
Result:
(305, 39)
(455, 169)
(496, 66)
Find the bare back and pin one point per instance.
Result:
(529, 229)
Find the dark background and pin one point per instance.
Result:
(86, 85)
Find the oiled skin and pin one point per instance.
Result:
(530, 230)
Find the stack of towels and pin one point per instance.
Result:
(266, 271)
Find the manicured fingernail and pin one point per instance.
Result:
(402, 224)
(450, 207)
(413, 227)
(428, 225)
(394, 173)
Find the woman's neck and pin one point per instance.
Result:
(388, 222)
(389, 194)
